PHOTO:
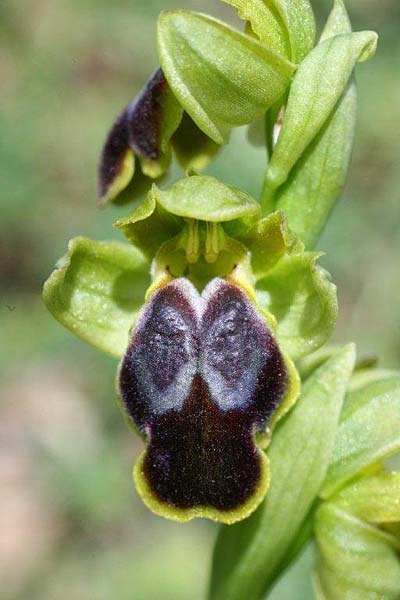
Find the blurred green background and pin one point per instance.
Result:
(71, 524)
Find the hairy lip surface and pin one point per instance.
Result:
(136, 129)
(201, 376)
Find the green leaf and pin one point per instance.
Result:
(299, 293)
(316, 180)
(285, 26)
(97, 291)
(206, 199)
(148, 226)
(369, 431)
(317, 86)
(356, 561)
(268, 241)
(221, 77)
(248, 555)
(373, 498)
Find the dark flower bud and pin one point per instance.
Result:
(142, 129)
(148, 129)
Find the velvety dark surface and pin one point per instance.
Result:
(113, 154)
(137, 128)
(200, 377)
(146, 115)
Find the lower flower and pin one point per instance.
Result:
(203, 379)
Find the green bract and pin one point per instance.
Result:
(248, 556)
(281, 25)
(357, 527)
(316, 180)
(355, 560)
(369, 431)
(372, 498)
(313, 116)
(317, 86)
(221, 77)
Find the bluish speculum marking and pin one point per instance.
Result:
(202, 374)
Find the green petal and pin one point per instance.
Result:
(269, 240)
(373, 498)
(317, 86)
(97, 290)
(299, 293)
(148, 226)
(193, 148)
(316, 181)
(281, 25)
(221, 77)
(369, 431)
(206, 199)
(248, 556)
(355, 560)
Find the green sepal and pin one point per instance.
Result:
(268, 240)
(221, 77)
(369, 431)
(149, 225)
(355, 560)
(316, 180)
(248, 556)
(317, 86)
(97, 291)
(300, 294)
(206, 199)
(281, 25)
(193, 148)
(372, 498)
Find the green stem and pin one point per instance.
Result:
(267, 196)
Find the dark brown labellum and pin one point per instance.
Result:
(145, 116)
(114, 153)
(137, 129)
(201, 376)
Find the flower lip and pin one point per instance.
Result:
(139, 130)
(114, 155)
(144, 117)
(201, 376)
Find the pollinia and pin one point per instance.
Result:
(220, 313)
